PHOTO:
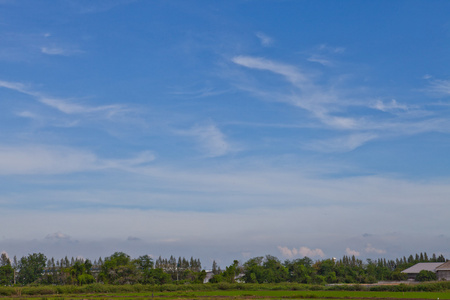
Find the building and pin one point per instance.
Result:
(413, 271)
(443, 271)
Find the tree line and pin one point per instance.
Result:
(120, 268)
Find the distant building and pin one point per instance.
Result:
(209, 275)
(443, 271)
(413, 271)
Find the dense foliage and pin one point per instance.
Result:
(121, 269)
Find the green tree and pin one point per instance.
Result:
(145, 266)
(274, 271)
(425, 275)
(85, 279)
(229, 275)
(31, 268)
(300, 270)
(254, 270)
(215, 269)
(119, 269)
(6, 270)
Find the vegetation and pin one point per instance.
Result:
(284, 290)
(425, 275)
(120, 269)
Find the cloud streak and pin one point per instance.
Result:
(66, 106)
(39, 159)
(265, 40)
(440, 87)
(330, 106)
(210, 139)
(59, 51)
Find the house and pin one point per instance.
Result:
(413, 271)
(443, 271)
(209, 275)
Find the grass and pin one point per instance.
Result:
(245, 294)
(430, 291)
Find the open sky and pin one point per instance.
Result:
(224, 129)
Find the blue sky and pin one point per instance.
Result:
(224, 129)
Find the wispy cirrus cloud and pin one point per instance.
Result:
(323, 54)
(65, 105)
(55, 50)
(317, 100)
(440, 87)
(264, 39)
(41, 159)
(68, 107)
(330, 105)
(392, 106)
(291, 73)
(341, 144)
(321, 60)
(331, 49)
(210, 139)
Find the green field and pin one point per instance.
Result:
(244, 294)
(431, 290)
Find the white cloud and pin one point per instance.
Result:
(329, 105)
(305, 251)
(341, 144)
(308, 95)
(320, 60)
(264, 39)
(212, 141)
(54, 51)
(302, 251)
(351, 252)
(331, 49)
(291, 73)
(389, 107)
(67, 106)
(141, 158)
(440, 87)
(286, 252)
(39, 159)
(371, 249)
(57, 236)
(46, 160)
(28, 114)
(20, 87)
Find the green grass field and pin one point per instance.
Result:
(244, 294)
(431, 290)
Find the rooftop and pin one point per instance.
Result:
(444, 267)
(431, 266)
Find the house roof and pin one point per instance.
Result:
(444, 267)
(422, 266)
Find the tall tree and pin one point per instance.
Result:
(6, 270)
(31, 267)
(215, 270)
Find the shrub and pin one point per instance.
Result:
(425, 275)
